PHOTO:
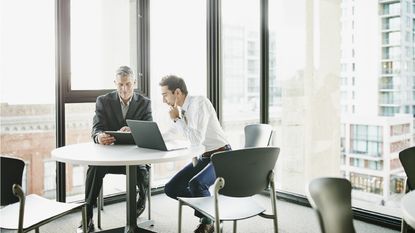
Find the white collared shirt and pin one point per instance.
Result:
(199, 123)
(124, 107)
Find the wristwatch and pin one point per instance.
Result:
(96, 138)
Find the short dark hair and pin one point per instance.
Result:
(173, 82)
(124, 71)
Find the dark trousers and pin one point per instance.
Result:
(193, 181)
(96, 174)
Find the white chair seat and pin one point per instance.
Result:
(248, 207)
(37, 209)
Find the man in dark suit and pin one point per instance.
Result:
(111, 112)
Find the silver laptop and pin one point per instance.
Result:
(147, 134)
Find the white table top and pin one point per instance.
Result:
(119, 155)
(408, 208)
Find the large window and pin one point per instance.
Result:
(240, 72)
(178, 46)
(27, 102)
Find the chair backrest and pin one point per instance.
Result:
(331, 197)
(407, 158)
(245, 171)
(11, 173)
(257, 135)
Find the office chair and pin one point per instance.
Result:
(257, 135)
(407, 158)
(11, 173)
(251, 173)
(32, 211)
(331, 198)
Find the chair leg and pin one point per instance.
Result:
(234, 226)
(180, 217)
(37, 230)
(219, 184)
(84, 220)
(273, 201)
(100, 206)
(149, 193)
(101, 198)
(404, 227)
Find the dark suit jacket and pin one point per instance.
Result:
(108, 114)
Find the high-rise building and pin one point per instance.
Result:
(377, 95)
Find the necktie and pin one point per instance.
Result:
(183, 112)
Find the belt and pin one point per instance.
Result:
(208, 154)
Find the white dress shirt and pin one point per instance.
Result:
(199, 123)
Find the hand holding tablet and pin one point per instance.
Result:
(121, 137)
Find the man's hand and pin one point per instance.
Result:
(174, 111)
(125, 129)
(105, 139)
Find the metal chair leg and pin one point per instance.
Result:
(273, 200)
(101, 198)
(234, 226)
(404, 227)
(84, 220)
(180, 217)
(149, 192)
(100, 206)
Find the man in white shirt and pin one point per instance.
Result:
(195, 118)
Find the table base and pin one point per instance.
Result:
(139, 229)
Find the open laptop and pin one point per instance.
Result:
(147, 134)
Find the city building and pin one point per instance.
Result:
(377, 95)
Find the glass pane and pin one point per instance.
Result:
(78, 125)
(27, 70)
(287, 93)
(178, 46)
(353, 99)
(78, 130)
(240, 54)
(103, 37)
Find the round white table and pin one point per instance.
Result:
(408, 208)
(122, 155)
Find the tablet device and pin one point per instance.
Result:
(121, 138)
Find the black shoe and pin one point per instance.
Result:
(204, 228)
(142, 190)
(141, 205)
(90, 227)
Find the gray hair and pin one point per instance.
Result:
(124, 71)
